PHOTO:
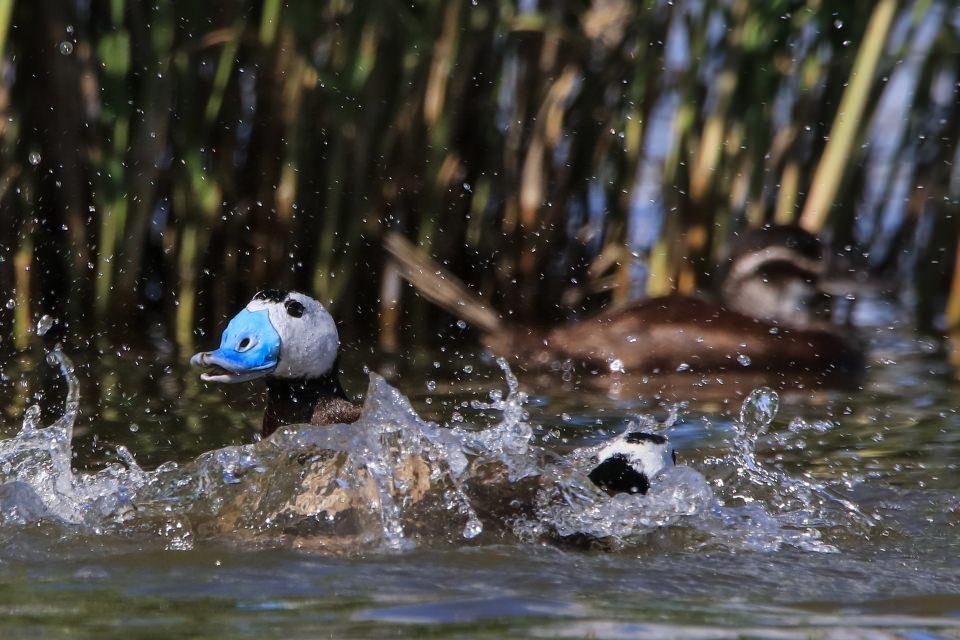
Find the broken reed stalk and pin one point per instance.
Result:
(438, 285)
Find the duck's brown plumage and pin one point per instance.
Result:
(320, 401)
(662, 334)
(771, 318)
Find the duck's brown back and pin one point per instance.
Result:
(662, 335)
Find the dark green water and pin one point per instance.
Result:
(892, 448)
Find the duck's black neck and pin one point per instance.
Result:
(297, 401)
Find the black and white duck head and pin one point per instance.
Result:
(630, 461)
(286, 335)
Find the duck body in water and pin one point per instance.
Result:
(289, 339)
(772, 317)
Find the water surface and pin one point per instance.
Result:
(872, 552)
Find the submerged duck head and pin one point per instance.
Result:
(279, 334)
(627, 463)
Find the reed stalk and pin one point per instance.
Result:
(846, 125)
(224, 147)
(952, 314)
(6, 10)
(22, 281)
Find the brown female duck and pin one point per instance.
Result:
(771, 318)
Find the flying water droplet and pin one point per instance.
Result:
(744, 360)
(31, 418)
(66, 48)
(44, 324)
(473, 527)
(759, 409)
(34, 158)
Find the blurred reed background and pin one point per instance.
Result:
(160, 161)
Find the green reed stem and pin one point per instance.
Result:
(6, 10)
(843, 134)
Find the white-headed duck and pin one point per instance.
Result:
(291, 340)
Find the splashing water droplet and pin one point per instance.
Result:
(66, 48)
(759, 409)
(744, 360)
(756, 414)
(44, 325)
(31, 418)
(473, 527)
(34, 158)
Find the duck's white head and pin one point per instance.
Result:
(280, 334)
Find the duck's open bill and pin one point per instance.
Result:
(249, 349)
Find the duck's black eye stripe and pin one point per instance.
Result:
(294, 308)
(271, 295)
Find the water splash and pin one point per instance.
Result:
(748, 505)
(756, 414)
(510, 439)
(393, 480)
(36, 477)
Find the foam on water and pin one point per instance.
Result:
(393, 480)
